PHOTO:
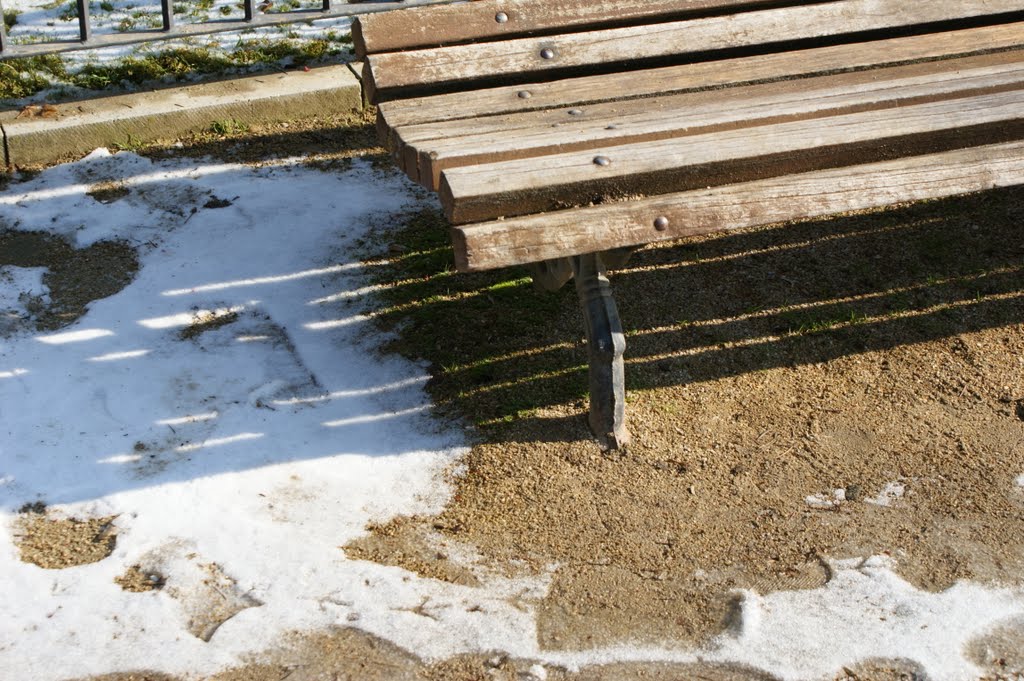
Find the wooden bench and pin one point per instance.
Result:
(562, 134)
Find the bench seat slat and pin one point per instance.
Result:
(519, 187)
(390, 75)
(809, 195)
(704, 75)
(436, 147)
(449, 24)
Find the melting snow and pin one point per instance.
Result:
(238, 459)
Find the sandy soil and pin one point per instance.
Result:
(54, 542)
(891, 422)
(796, 394)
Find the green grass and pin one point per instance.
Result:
(25, 77)
(10, 18)
(808, 324)
(131, 144)
(70, 11)
(228, 127)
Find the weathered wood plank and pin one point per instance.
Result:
(809, 195)
(440, 146)
(520, 187)
(704, 75)
(451, 24)
(387, 75)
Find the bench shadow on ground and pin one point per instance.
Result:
(712, 307)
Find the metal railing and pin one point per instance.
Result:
(171, 29)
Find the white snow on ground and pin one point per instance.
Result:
(238, 461)
(890, 494)
(824, 501)
(20, 285)
(56, 20)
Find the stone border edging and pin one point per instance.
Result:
(76, 128)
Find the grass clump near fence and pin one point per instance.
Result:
(29, 76)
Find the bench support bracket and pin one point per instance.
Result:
(605, 344)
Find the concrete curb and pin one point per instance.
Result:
(76, 128)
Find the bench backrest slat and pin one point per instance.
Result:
(397, 74)
(503, 19)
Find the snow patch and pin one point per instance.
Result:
(891, 492)
(22, 291)
(237, 462)
(822, 501)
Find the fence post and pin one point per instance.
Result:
(168, 14)
(84, 30)
(3, 30)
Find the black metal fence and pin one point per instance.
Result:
(172, 29)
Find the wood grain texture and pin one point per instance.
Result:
(520, 187)
(464, 22)
(704, 75)
(814, 194)
(440, 146)
(388, 74)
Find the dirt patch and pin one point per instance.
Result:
(134, 676)
(833, 389)
(713, 494)
(74, 277)
(1001, 651)
(108, 192)
(54, 543)
(327, 142)
(883, 670)
(207, 321)
(352, 655)
(137, 580)
(413, 545)
(212, 600)
(205, 591)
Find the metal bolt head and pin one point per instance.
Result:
(602, 161)
(547, 53)
(501, 17)
(661, 224)
(525, 94)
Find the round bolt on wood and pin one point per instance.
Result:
(525, 94)
(602, 161)
(547, 53)
(501, 17)
(661, 224)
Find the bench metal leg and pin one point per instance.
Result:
(606, 344)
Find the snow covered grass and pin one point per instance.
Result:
(128, 66)
(230, 410)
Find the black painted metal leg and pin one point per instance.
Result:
(606, 344)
